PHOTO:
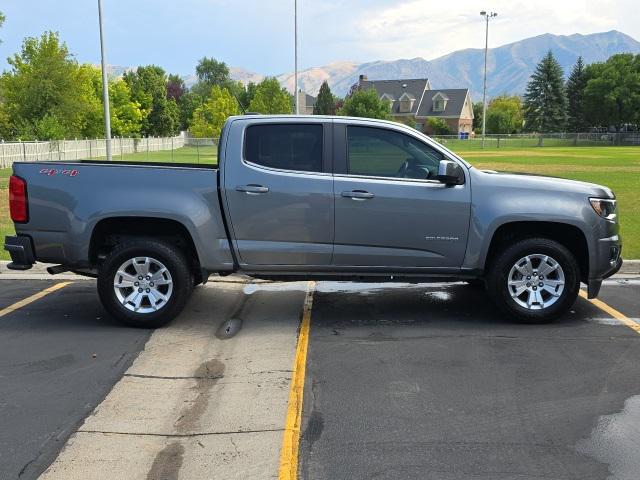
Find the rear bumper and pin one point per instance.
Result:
(21, 251)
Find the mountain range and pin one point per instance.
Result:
(508, 66)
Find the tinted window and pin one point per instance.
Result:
(386, 153)
(285, 146)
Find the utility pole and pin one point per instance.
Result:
(295, 54)
(105, 88)
(487, 16)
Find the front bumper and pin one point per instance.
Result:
(609, 263)
(21, 251)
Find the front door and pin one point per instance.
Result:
(279, 198)
(390, 211)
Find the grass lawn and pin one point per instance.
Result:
(615, 167)
(204, 154)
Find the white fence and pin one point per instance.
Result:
(57, 150)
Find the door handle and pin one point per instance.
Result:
(252, 189)
(358, 195)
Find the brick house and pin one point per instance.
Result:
(413, 101)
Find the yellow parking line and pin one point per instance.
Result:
(291, 438)
(612, 311)
(32, 298)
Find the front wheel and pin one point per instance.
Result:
(534, 280)
(144, 283)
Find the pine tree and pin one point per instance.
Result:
(545, 99)
(576, 120)
(325, 103)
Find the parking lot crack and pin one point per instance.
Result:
(162, 377)
(181, 435)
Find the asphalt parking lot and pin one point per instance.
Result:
(402, 381)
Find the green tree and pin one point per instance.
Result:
(148, 86)
(545, 100)
(126, 114)
(366, 103)
(325, 103)
(247, 94)
(209, 118)
(187, 104)
(270, 97)
(612, 92)
(46, 94)
(504, 114)
(438, 126)
(2, 18)
(576, 83)
(211, 72)
(477, 117)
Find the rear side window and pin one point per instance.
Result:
(285, 146)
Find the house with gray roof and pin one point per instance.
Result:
(413, 102)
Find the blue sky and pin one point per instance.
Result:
(257, 35)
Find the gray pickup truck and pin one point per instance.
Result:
(309, 197)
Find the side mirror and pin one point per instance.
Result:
(450, 173)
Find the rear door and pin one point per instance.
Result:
(390, 211)
(279, 191)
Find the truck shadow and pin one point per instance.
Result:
(448, 305)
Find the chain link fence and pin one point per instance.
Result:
(529, 140)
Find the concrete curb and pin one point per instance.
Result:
(630, 269)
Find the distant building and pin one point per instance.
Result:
(413, 101)
(306, 103)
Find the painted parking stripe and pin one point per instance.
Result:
(33, 298)
(612, 311)
(291, 437)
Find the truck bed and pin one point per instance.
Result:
(69, 200)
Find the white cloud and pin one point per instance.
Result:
(411, 28)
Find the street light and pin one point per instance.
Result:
(105, 87)
(487, 16)
(295, 54)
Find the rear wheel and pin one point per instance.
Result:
(534, 280)
(145, 283)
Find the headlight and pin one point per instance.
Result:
(605, 207)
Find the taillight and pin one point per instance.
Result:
(18, 200)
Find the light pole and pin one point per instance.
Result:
(105, 88)
(487, 16)
(295, 55)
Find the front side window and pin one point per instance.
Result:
(378, 152)
(285, 146)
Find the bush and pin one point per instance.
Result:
(438, 126)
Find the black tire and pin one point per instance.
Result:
(177, 266)
(498, 272)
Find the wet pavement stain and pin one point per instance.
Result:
(229, 328)
(615, 441)
(313, 432)
(48, 364)
(206, 376)
(167, 464)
